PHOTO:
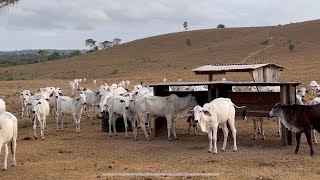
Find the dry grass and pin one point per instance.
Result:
(66, 155)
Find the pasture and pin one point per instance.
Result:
(67, 155)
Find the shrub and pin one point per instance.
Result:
(266, 42)
(188, 41)
(291, 47)
(115, 71)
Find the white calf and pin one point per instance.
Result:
(8, 132)
(258, 127)
(41, 110)
(118, 105)
(219, 112)
(24, 99)
(66, 105)
(313, 87)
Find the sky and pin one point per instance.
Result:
(63, 24)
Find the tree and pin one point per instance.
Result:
(74, 53)
(43, 55)
(91, 43)
(4, 3)
(116, 41)
(53, 56)
(185, 26)
(221, 26)
(105, 44)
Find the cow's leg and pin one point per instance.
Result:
(110, 121)
(169, 126)
(234, 134)
(35, 129)
(254, 128)
(134, 127)
(214, 138)
(210, 141)
(279, 127)
(42, 128)
(314, 138)
(195, 129)
(14, 146)
(298, 137)
(125, 119)
(262, 128)
(61, 121)
(79, 119)
(308, 136)
(114, 120)
(5, 159)
(57, 121)
(225, 136)
(189, 128)
(143, 126)
(22, 110)
(174, 130)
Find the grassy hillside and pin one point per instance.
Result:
(152, 59)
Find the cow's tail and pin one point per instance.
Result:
(244, 111)
(11, 147)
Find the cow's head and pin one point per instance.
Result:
(275, 110)
(82, 99)
(126, 102)
(35, 105)
(302, 92)
(197, 112)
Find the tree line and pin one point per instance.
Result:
(91, 43)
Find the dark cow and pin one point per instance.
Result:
(193, 124)
(299, 119)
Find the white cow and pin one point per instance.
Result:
(77, 81)
(94, 82)
(41, 110)
(92, 100)
(103, 102)
(118, 105)
(314, 86)
(302, 92)
(24, 99)
(2, 105)
(72, 86)
(84, 80)
(117, 91)
(53, 100)
(171, 107)
(314, 102)
(8, 132)
(47, 89)
(220, 112)
(73, 106)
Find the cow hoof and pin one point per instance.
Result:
(215, 152)
(4, 169)
(110, 135)
(116, 134)
(235, 150)
(169, 139)
(263, 138)
(316, 143)
(13, 165)
(209, 151)
(223, 149)
(35, 137)
(254, 138)
(296, 152)
(176, 138)
(136, 139)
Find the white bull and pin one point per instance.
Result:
(171, 107)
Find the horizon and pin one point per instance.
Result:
(32, 25)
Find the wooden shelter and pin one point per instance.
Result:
(260, 72)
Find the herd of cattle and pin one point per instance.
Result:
(141, 107)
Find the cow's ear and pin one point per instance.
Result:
(206, 112)
(122, 101)
(190, 112)
(51, 94)
(60, 94)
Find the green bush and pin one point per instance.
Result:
(291, 47)
(188, 41)
(115, 71)
(266, 42)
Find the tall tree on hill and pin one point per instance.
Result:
(221, 26)
(185, 25)
(43, 55)
(116, 41)
(105, 44)
(4, 3)
(91, 43)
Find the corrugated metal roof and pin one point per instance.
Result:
(225, 83)
(216, 68)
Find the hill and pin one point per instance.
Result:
(168, 56)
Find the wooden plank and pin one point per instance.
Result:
(284, 100)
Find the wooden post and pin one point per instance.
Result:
(210, 77)
(287, 96)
